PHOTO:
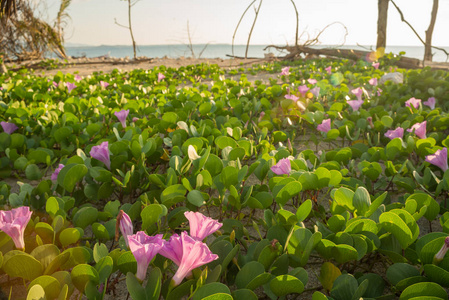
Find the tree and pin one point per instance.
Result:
(429, 32)
(129, 27)
(382, 23)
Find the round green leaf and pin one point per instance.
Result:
(23, 265)
(81, 274)
(85, 216)
(286, 284)
(50, 285)
(210, 289)
(427, 289)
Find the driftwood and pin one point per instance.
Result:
(295, 51)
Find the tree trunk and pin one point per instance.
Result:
(429, 32)
(382, 23)
(130, 28)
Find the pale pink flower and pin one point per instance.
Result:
(379, 91)
(373, 81)
(413, 102)
(355, 104)
(55, 174)
(291, 97)
(397, 133)
(101, 153)
(14, 222)
(78, 78)
(303, 89)
(160, 76)
(329, 70)
(315, 91)
(200, 225)
(419, 129)
(375, 65)
(282, 167)
(70, 86)
(440, 255)
(325, 126)
(188, 254)
(285, 71)
(439, 159)
(144, 248)
(104, 84)
(121, 116)
(9, 128)
(358, 92)
(312, 81)
(125, 225)
(135, 119)
(430, 102)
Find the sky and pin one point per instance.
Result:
(214, 21)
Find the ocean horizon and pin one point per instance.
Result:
(222, 50)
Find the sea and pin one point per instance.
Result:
(222, 51)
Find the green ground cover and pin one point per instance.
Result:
(317, 166)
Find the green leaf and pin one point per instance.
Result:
(70, 236)
(286, 284)
(173, 194)
(423, 289)
(344, 287)
(70, 175)
(304, 210)
(197, 198)
(400, 271)
(81, 274)
(85, 216)
(154, 284)
(50, 285)
(151, 215)
(135, 289)
(36, 292)
(247, 273)
(20, 264)
(210, 289)
(361, 201)
(288, 191)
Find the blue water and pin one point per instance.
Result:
(220, 51)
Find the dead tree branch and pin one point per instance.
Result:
(252, 28)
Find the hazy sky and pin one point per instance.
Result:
(214, 21)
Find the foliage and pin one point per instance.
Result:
(355, 202)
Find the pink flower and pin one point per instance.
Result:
(9, 127)
(101, 153)
(200, 225)
(439, 159)
(303, 90)
(420, 129)
(70, 86)
(14, 222)
(55, 174)
(55, 84)
(440, 255)
(379, 91)
(135, 119)
(325, 126)
(160, 76)
(282, 167)
(312, 81)
(430, 102)
(358, 92)
(355, 104)
(373, 81)
(104, 84)
(285, 71)
(375, 65)
(144, 248)
(291, 97)
(125, 224)
(315, 91)
(414, 102)
(187, 253)
(261, 115)
(397, 133)
(329, 70)
(78, 78)
(121, 116)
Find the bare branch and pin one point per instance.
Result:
(117, 23)
(238, 24)
(252, 28)
(297, 22)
